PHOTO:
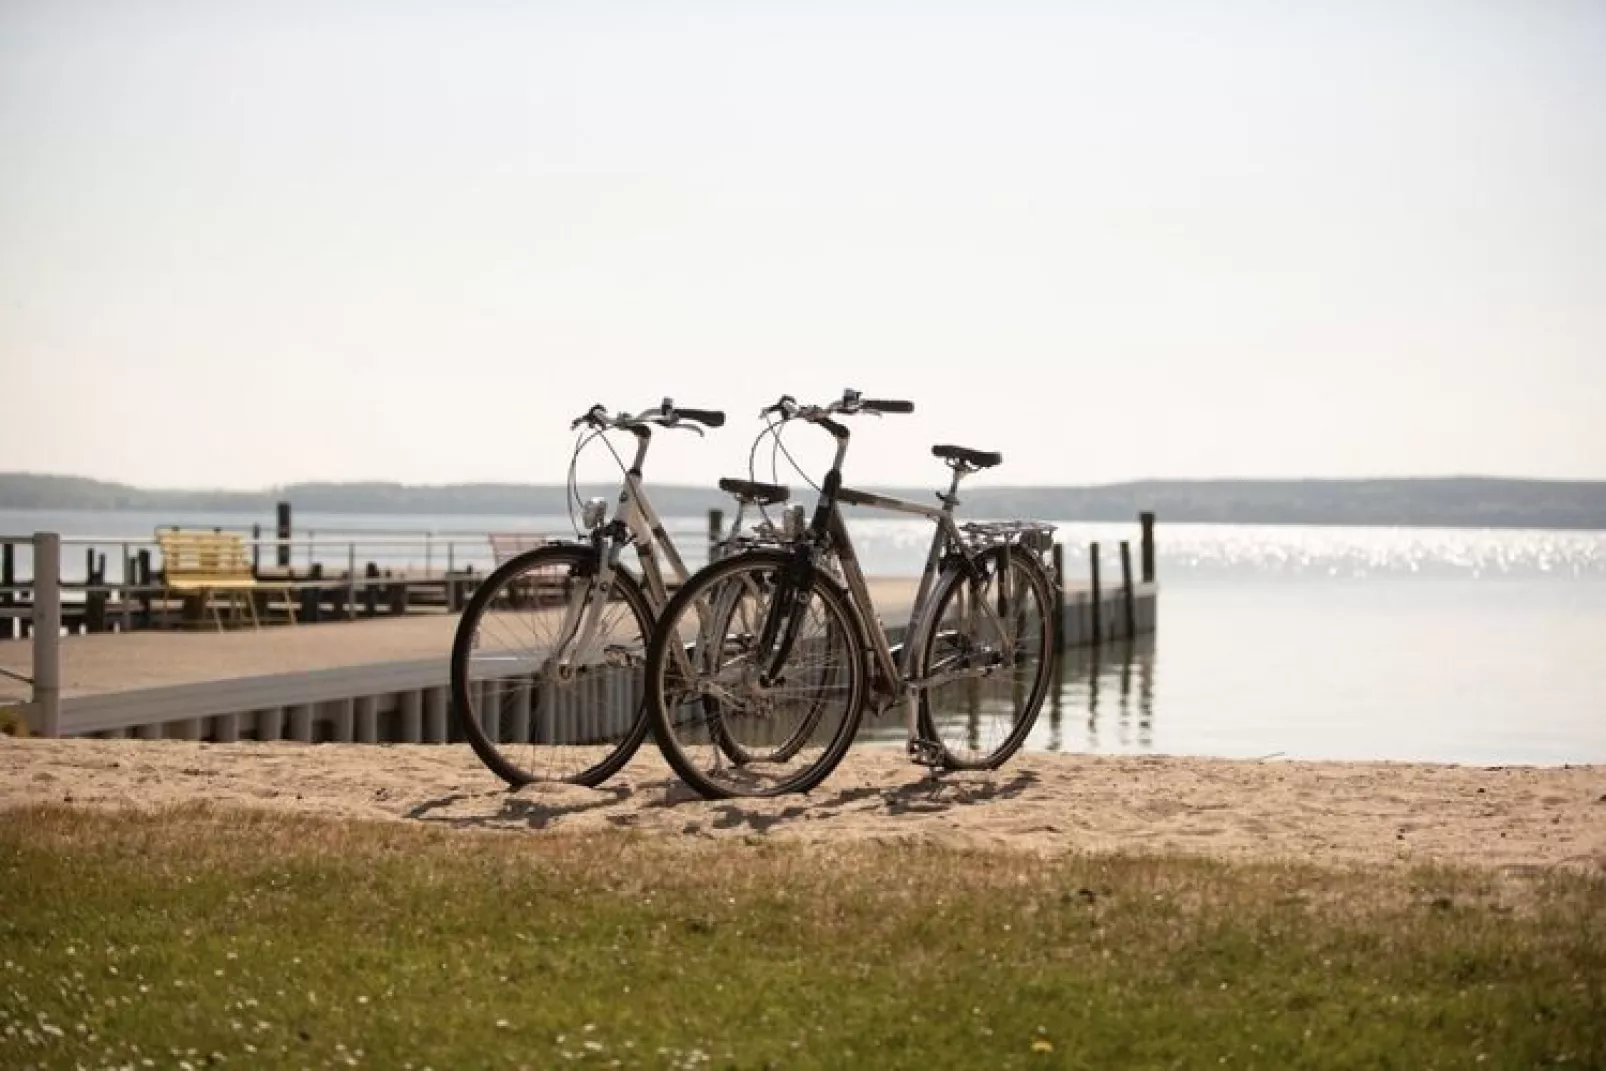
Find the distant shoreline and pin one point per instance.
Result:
(1423, 502)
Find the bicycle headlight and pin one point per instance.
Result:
(593, 512)
(792, 522)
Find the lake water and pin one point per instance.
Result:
(1465, 646)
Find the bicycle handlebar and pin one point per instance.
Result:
(664, 415)
(849, 404)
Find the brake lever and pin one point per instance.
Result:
(590, 417)
(785, 407)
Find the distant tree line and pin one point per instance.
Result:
(1429, 501)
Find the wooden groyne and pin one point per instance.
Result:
(380, 678)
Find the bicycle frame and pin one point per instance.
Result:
(894, 676)
(635, 523)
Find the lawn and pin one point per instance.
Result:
(199, 937)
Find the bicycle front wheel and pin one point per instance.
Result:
(547, 668)
(734, 718)
(987, 656)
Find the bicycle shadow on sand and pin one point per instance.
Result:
(651, 803)
(935, 794)
(517, 809)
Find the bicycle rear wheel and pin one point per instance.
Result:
(993, 669)
(530, 716)
(728, 720)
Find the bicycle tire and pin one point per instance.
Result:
(704, 736)
(587, 741)
(989, 700)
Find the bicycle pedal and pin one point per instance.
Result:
(926, 753)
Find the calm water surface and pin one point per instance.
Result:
(1466, 646)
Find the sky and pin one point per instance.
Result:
(247, 244)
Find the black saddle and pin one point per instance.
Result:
(763, 494)
(978, 459)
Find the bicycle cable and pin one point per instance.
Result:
(581, 442)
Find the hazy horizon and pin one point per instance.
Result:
(247, 246)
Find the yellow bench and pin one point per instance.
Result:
(216, 563)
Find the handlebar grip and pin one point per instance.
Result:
(712, 418)
(884, 406)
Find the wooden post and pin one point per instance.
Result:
(124, 599)
(1096, 606)
(95, 600)
(312, 596)
(8, 577)
(256, 551)
(435, 719)
(410, 718)
(1147, 520)
(44, 714)
(142, 577)
(1126, 590)
(351, 582)
(716, 526)
(1059, 596)
(282, 530)
(365, 727)
(370, 591)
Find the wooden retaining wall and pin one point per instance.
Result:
(408, 702)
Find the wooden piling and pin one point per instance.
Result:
(270, 723)
(1147, 520)
(282, 531)
(142, 577)
(410, 722)
(370, 591)
(435, 728)
(1126, 590)
(256, 550)
(342, 720)
(95, 595)
(1097, 594)
(1059, 597)
(300, 723)
(312, 597)
(365, 720)
(716, 526)
(45, 717)
(8, 577)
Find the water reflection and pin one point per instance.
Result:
(1102, 700)
(1099, 700)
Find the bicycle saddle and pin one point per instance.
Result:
(764, 494)
(981, 459)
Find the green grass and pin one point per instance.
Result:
(246, 939)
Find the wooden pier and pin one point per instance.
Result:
(361, 666)
(371, 681)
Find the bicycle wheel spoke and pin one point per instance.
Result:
(730, 720)
(546, 679)
(987, 663)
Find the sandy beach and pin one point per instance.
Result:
(1335, 813)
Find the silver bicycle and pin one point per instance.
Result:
(548, 655)
(761, 667)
